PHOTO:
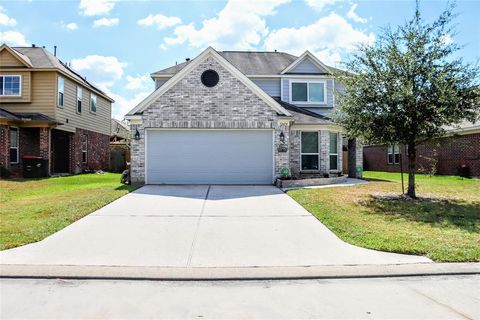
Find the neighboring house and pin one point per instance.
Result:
(237, 118)
(458, 153)
(119, 146)
(48, 110)
(120, 132)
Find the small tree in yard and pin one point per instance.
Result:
(406, 87)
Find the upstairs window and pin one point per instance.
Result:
(308, 92)
(93, 103)
(309, 151)
(13, 145)
(10, 86)
(79, 99)
(60, 86)
(393, 154)
(333, 151)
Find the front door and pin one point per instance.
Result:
(61, 151)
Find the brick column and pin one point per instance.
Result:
(324, 151)
(4, 147)
(45, 146)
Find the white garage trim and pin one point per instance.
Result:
(147, 130)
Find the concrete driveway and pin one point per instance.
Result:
(199, 226)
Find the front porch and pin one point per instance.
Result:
(25, 135)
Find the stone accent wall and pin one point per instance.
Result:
(446, 155)
(98, 151)
(190, 104)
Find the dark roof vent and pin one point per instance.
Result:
(187, 59)
(33, 45)
(210, 78)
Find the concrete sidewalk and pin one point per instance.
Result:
(200, 226)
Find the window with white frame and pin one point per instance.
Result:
(308, 92)
(10, 86)
(393, 154)
(14, 137)
(84, 148)
(333, 151)
(309, 150)
(79, 99)
(60, 89)
(93, 103)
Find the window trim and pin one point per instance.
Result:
(19, 86)
(90, 104)
(292, 81)
(85, 151)
(79, 89)
(393, 154)
(58, 92)
(308, 153)
(17, 147)
(333, 154)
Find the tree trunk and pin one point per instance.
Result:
(412, 157)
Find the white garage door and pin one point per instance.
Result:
(209, 157)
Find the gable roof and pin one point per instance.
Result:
(252, 63)
(307, 55)
(40, 58)
(20, 57)
(209, 52)
(304, 116)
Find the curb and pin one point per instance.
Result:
(236, 273)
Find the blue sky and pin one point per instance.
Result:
(117, 44)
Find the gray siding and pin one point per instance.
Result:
(306, 66)
(270, 86)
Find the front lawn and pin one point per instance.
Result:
(444, 224)
(30, 210)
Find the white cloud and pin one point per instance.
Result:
(122, 105)
(319, 5)
(239, 25)
(96, 7)
(351, 14)
(138, 82)
(160, 21)
(106, 22)
(328, 36)
(446, 39)
(71, 26)
(13, 38)
(6, 20)
(103, 71)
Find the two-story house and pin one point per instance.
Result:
(48, 110)
(237, 117)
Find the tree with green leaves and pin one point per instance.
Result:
(408, 86)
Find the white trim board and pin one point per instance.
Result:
(209, 52)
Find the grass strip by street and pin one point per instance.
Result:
(443, 224)
(31, 210)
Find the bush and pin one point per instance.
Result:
(464, 171)
(5, 173)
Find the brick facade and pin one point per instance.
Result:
(441, 156)
(189, 104)
(4, 148)
(98, 154)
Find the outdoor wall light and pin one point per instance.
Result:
(137, 134)
(282, 137)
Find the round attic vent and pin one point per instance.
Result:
(210, 78)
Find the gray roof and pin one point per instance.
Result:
(248, 62)
(25, 116)
(304, 116)
(42, 59)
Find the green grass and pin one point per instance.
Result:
(444, 224)
(31, 210)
